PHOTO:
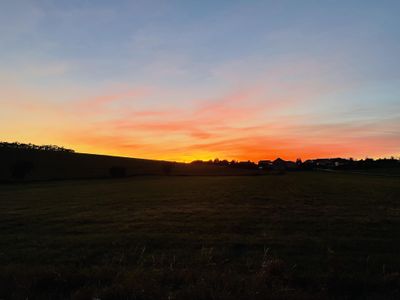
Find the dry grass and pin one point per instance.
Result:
(296, 236)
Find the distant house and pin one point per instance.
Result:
(265, 164)
(280, 164)
(324, 162)
(338, 162)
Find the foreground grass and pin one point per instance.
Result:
(293, 236)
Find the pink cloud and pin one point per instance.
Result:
(100, 103)
(253, 122)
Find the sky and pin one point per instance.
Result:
(186, 80)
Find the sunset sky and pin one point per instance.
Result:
(185, 80)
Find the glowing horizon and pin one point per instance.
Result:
(182, 81)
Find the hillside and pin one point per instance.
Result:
(33, 165)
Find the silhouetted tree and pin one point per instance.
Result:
(197, 162)
(29, 146)
(299, 162)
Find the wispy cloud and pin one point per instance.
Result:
(101, 103)
(245, 123)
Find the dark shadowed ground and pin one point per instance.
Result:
(293, 236)
(24, 165)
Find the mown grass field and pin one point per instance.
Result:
(294, 236)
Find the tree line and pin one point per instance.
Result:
(52, 148)
(311, 164)
(232, 163)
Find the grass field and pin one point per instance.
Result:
(293, 236)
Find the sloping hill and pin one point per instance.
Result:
(32, 165)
